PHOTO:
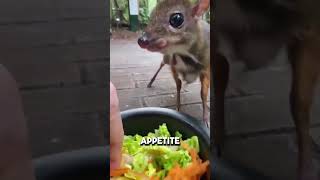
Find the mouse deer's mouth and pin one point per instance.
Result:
(157, 45)
(153, 45)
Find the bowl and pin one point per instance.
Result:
(144, 120)
(93, 163)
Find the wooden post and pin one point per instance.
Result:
(134, 15)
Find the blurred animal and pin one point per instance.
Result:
(254, 31)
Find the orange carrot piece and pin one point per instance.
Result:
(118, 172)
(193, 172)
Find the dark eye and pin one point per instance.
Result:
(176, 20)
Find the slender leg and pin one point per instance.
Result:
(205, 84)
(178, 85)
(220, 82)
(305, 63)
(156, 74)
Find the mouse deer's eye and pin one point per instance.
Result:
(176, 20)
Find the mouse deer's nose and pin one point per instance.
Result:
(143, 41)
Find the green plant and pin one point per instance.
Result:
(121, 10)
(144, 11)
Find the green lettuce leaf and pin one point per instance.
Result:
(193, 142)
(157, 160)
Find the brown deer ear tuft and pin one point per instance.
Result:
(200, 8)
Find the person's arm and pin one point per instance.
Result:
(15, 158)
(116, 129)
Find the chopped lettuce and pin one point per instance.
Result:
(139, 162)
(155, 160)
(151, 170)
(178, 134)
(193, 143)
(162, 131)
(130, 145)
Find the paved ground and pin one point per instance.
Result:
(258, 122)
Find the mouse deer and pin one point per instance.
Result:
(177, 31)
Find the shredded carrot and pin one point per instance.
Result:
(118, 172)
(155, 178)
(184, 145)
(193, 172)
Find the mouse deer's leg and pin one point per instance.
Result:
(156, 74)
(220, 81)
(164, 61)
(205, 84)
(305, 60)
(178, 85)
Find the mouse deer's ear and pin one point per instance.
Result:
(201, 7)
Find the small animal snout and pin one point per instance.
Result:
(143, 41)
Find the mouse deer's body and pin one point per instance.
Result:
(184, 39)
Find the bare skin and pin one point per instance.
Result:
(15, 159)
(116, 129)
(15, 156)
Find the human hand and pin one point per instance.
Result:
(116, 129)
